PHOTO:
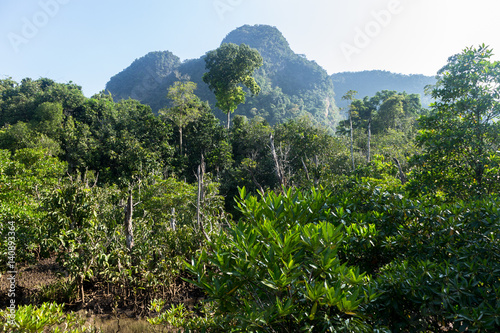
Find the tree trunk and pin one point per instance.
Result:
(279, 169)
(316, 172)
(402, 176)
(172, 220)
(352, 140)
(368, 152)
(180, 139)
(305, 169)
(199, 197)
(201, 194)
(228, 119)
(129, 231)
(82, 291)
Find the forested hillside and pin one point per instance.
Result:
(291, 85)
(367, 83)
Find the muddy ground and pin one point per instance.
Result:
(103, 306)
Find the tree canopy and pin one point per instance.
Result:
(461, 135)
(229, 67)
(185, 106)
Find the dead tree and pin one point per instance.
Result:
(280, 170)
(402, 175)
(349, 96)
(129, 229)
(305, 168)
(201, 196)
(316, 172)
(128, 223)
(368, 145)
(172, 220)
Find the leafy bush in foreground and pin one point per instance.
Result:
(48, 317)
(277, 270)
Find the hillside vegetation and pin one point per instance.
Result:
(368, 83)
(392, 224)
(291, 86)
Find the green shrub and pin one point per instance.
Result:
(277, 270)
(449, 272)
(48, 317)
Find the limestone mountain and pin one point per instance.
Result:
(291, 85)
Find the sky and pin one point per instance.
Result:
(89, 41)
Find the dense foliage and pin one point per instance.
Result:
(139, 205)
(460, 136)
(230, 68)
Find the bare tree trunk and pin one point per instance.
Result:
(316, 175)
(228, 119)
(201, 194)
(305, 169)
(402, 176)
(199, 198)
(368, 153)
(279, 168)
(129, 230)
(352, 140)
(81, 289)
(172, 220)
(180, 139)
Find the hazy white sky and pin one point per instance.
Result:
(88, 41)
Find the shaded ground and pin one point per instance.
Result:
(29, 281)
(103, 304)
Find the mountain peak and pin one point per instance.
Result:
(291, 85)
(267, 39)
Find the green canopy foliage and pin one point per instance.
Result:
(185, 106)
(229, 67)
(461, 135)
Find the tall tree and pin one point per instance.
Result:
(460, 136)
(48, 118)
(349, 96)
(185, 108)
(390, 114)
(229, 67)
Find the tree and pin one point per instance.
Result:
(388, 117)
(253, 164)
(228, 67)
(205, 136)
(390, 114)
(310, 150)
(349, 96)
(460, 136)
(48, 118)
(185, 106)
